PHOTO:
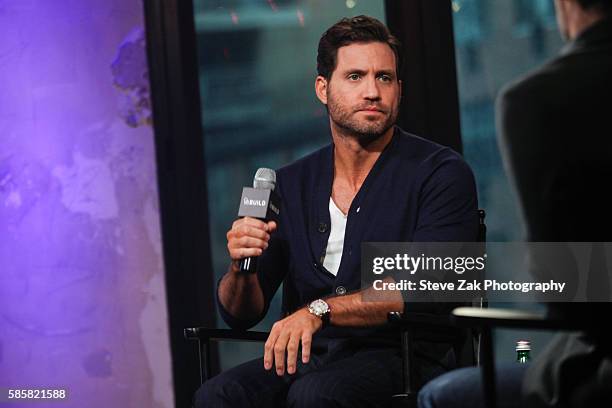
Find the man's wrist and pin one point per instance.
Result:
(234, 266)
(320, 309)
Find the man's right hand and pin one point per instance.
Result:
(248, 237)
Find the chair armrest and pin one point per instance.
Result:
(495, 317)
(206, 334)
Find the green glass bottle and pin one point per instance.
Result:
(523, 348)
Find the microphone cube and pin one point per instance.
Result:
(259, 203)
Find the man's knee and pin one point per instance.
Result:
(428, 395)
(220, 392)
(463, 388)
(313, 391)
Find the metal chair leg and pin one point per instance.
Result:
(205, 361)
(408, 398)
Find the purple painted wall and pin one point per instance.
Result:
(82, 296)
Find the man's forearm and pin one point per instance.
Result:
(351, 310)
(240, 293)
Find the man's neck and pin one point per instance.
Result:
(582, 19)
(353, 160)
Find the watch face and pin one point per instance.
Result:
(319, 307)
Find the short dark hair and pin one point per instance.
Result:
(604, 6)
(360, 29)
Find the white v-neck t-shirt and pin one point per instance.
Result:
(335, 243)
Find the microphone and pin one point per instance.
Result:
(260, 202)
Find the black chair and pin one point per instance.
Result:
(467, 349)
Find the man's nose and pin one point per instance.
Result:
(371, 91)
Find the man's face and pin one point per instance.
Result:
(363, 92)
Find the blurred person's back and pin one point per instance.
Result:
(557, 133)
(556, 137)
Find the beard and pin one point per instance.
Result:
(365, 130)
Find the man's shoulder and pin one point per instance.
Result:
(413, 148)
(541, 82)
(550, 83)
(406, 150)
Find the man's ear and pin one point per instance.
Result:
(321, 89)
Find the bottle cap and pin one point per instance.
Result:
(523, 345)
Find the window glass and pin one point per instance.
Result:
(497, 42)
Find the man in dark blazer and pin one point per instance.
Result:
(555, 133)
(556, 139)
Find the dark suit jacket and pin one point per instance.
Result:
(556, 136)
(555, 128)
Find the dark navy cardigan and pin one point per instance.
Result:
(417, 191)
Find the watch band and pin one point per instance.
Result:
(326, 319)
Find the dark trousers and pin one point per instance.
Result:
(336, 376)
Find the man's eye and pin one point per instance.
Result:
(353, 77)
(385, 78)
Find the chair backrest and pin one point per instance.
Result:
(482, 239)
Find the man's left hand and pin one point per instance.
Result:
(285, 337)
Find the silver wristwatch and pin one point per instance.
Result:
(321, 309)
